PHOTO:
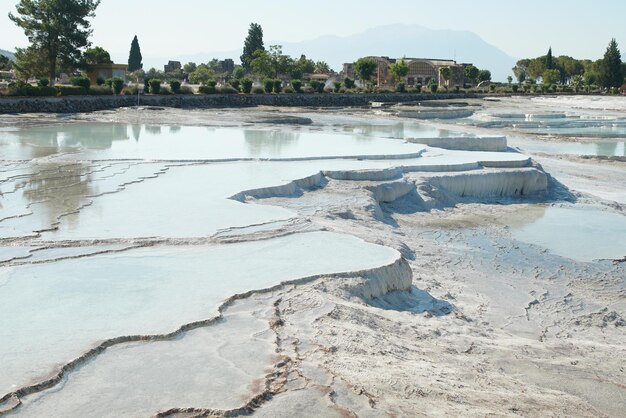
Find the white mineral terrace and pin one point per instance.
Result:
(345, 267)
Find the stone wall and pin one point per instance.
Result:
(78, 104)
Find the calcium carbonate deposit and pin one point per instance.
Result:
(459, 259)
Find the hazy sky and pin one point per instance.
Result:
(526, 28)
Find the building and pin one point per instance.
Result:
(225, 66)
(106, 71)
(421, 71)
(172, 66)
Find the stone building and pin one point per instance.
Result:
(225, 66)
(172, 66)
(421, 71)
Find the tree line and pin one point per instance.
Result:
(607, 72)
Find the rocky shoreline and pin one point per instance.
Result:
(78, 104)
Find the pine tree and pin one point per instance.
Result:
(58, 30)
(253, 42)
(134, 57)
(611, 70)
(549, 60)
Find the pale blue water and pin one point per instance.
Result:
(582, 234)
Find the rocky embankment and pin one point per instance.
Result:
(78, 104)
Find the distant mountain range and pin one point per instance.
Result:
(396, 41)
(7, 54)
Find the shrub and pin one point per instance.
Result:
(258, 90)
(164, 90)
(417, 88)
(278, 86)
(146, 85)
(308, 90)
(268, 85)
(211, 83)
(100, 81)
(336, 86)
(109, 82)
(117, 84)
(515, 87)
(348, 82)
(175, 86)
(43, 82)
(289, 90)
(246, 85)
(433, 87)
(205, 89)
(317, 86)
(185, 90)
(228, 90)
(155, 86)
(101, 91)
(71, 90)
(24, 89)
(236, 83)
(81, 81)
(131, 91)
(457, 88)
(401, 88)
(297, 85)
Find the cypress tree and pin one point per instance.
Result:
(611, 70)
(134, 57)
(549, 60)
(253, 42)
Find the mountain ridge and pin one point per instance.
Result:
(10, 55)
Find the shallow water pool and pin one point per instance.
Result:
(582, 234)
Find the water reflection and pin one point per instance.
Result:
(56, 190)
(136, 132)
(48, 140)
(269, 142)
(400, 130)
(153, 129)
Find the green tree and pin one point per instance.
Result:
(190, 67)
(97, 55)
(521, 70)
(577, 82)
(549, 61)
(238, 72)
(253, 42)
(302, 66)
(272, 63)
(399, 70)
(610, 67)
(551, 76)
(201, 75)
(471, 72)
(261, 63)
(365, 68)
(5, 63)
(134, 56)
(445, 73)
(509, 80)
(57, 28)
(570, 67)
(484, 75)
(31, 62)
(321, 67)
(536, 67)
